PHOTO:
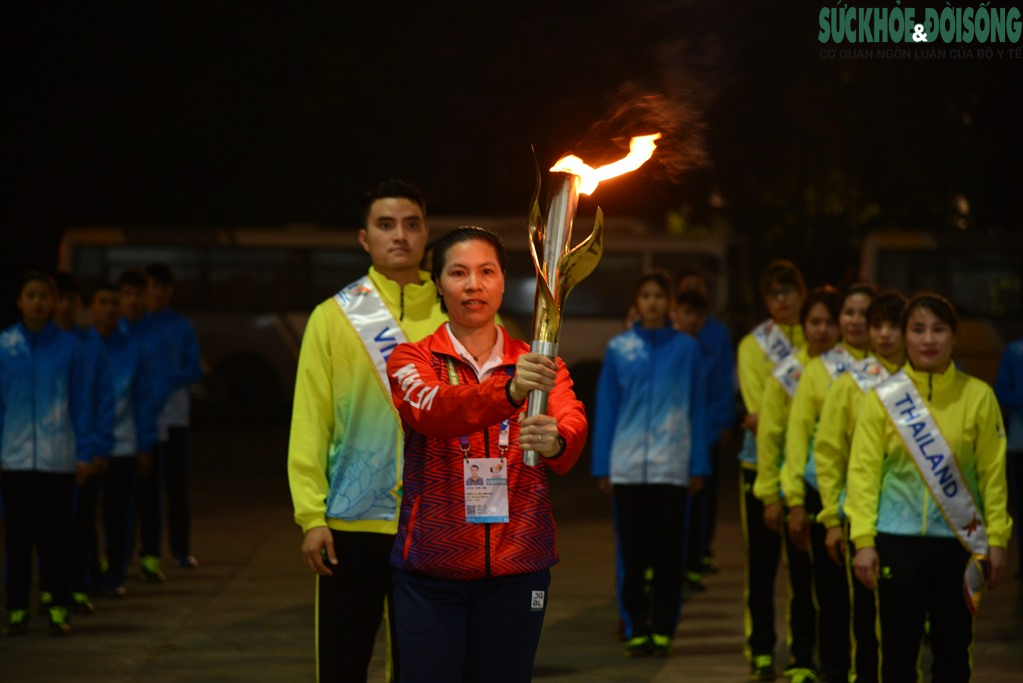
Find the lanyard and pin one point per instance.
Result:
(504, 435)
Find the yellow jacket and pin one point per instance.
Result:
(799, 465)
(774, 414)
(834, 439)
(344, 453)
(754, 368)
(886, 493)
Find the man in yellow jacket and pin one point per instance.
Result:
(344, 455)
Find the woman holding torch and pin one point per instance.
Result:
(472, 562)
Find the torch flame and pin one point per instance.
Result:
(641, 148)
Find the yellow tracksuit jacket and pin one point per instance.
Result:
(774, 414)
(799, 464)
(886, 492)
(833, 442)
(755, 368)
(345, 449)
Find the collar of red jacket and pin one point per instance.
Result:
(440, 343)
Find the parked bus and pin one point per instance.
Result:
(249, 291)
(981, 274)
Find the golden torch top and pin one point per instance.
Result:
(559, 267)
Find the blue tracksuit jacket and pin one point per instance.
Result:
(650, 426)
(44, 416)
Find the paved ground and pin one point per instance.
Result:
(246, 613)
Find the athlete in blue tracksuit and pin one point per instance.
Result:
(1009, 390)
(136, 323)
(649, 439)
(175, 348)
(85, 569)
(134, 432)
(44, 444)
(717, 370)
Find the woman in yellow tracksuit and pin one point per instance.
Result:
(819, 317)
(831, 452)
(765, 347)
(799, 477)
(906, 548)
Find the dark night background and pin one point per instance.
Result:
(263, 114)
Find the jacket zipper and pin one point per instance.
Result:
(923, 513)
(401, 315)
(486, 526)
(653, 373)
(411, 526)
(35, 419)
(453, 378)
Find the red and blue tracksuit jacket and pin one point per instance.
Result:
(433, 535)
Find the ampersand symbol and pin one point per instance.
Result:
(918, 34)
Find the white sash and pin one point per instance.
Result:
(837, 360)
(868, 373)
(937, 466)
(373, 322)
(773, 341)
(787, 372)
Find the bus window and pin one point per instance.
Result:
(257, 278)
(249, 291)
(607, 293)
(981, 275)
(332, 269)
(89, 265)
(982, 283)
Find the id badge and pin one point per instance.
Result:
(486, 490)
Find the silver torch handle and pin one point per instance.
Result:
(538, 399)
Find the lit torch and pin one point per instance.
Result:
(559, 266)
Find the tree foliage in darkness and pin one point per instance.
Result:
(218, 113)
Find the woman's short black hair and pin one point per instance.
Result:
(941, 307)
(659, 277)
(864, 288)
(781, 272)
(160, 272)
(887, 307)
(465, 233)
(102, 286)
(132, 277)
(67, 284)
(35, 275)
(826, 295)
(692, 299)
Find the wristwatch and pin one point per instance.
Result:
(562, 445)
